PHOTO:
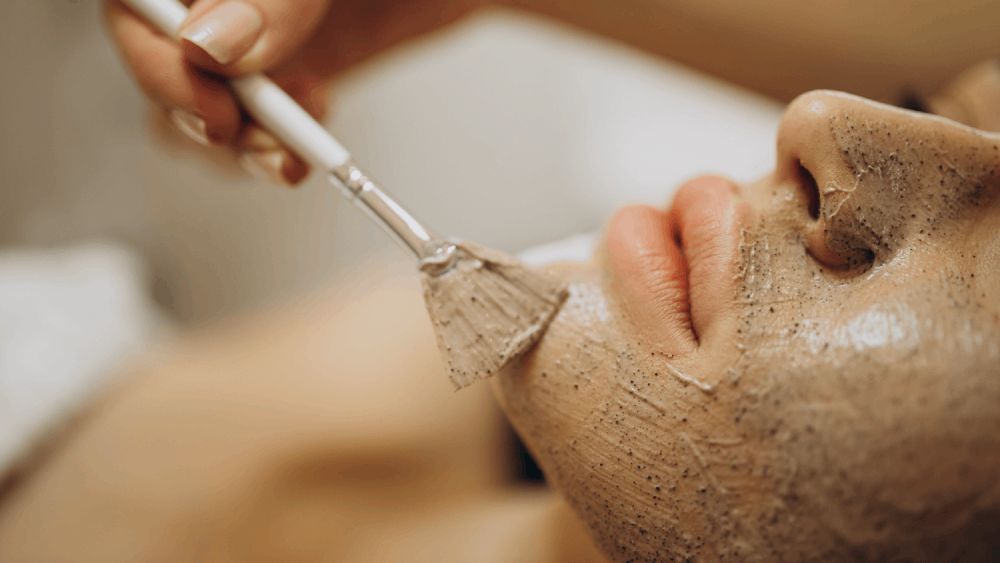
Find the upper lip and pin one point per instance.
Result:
(673, 269)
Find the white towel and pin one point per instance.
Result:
(576, 248)
(68, 317)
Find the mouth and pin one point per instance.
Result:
(674, 271)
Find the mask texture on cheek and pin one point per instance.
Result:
(651, 463)
(868, 395)
(856, 418)
(872, 393)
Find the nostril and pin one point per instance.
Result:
(809, 187)
(866, 256)
(839, 249)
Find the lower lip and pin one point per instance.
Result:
(674, 270)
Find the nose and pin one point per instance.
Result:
(873, 178)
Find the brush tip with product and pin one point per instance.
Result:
(488, 309)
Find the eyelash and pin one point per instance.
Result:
(912, 102)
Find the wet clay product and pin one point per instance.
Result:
(488, 309)
(841, 403)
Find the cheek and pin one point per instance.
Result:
(625, 443)
(553, 389)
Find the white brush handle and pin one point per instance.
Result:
(262, 98)
(285, 119)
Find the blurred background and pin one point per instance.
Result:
(504, 129)
(508, 129)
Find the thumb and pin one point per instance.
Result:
(235, 37)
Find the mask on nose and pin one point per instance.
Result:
(878, 179)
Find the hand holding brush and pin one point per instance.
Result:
(486, 307)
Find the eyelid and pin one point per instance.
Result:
(913, 102)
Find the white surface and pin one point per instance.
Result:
(574, 248)
(286, 120)
(166, 15)
(67, 318)
(506, 130)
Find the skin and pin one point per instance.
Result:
(786, 47)
(304, 44)
(792, 370)
(321, 431)
(487, 309)
(745, 376)
(775, 385)
(973, 97)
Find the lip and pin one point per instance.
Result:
(674, 271)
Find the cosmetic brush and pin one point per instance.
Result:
(486, 307)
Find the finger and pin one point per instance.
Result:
(198, 102)
(307, 88)
(277, 166)
(263, 155)
(235, 37)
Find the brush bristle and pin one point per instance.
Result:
(487, 310)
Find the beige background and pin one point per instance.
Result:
(506, 130)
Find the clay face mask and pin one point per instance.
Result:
(809, 368)
(487, 310)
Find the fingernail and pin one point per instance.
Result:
(191, 125)
(227, 31)
(266, 165)
(256, 139)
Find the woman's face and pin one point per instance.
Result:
(805, 367)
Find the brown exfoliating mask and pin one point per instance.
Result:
(487, 310)
(808, 368)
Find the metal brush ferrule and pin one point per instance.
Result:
(435, 255)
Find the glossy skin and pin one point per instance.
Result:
(797, 369)
(669, 404)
